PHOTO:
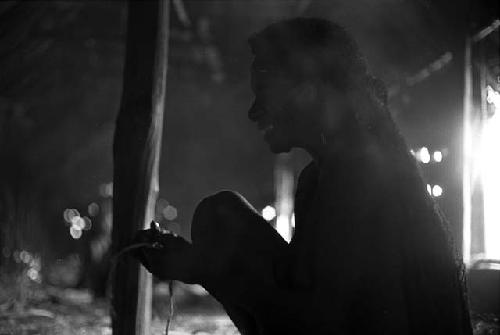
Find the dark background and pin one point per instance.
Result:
(60, 83)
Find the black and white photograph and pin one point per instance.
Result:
(250, 167)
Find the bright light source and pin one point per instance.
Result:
(170, 212)
(106, 190)
(33, 275)
(93, 209)
(283, 227)
(493, 97)
(437, 156)
(88, 223)
(293, 220)
(75, 232)
(69, 214)
(424, 155)
(429, 189)
(437, 191)
(161, 203)
(490, 173)
(269, 213)
(25, 256)
(78, 222)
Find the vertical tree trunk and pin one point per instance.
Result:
(136, 154)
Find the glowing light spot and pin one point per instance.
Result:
(437, 156)
(87, 223)
(25, 256)
(293, 220)
(93, 209)
(78, 222)
(15, 254)
(170, 212)
(6, 252)
(36, 264)
(106, 190)
(69, 214)
(75, 232)
(161, 204)
(283, 227)
(437, 190)
(424, 155)
(269, 213)
(429, 189)
(33, 275)
(493, 97)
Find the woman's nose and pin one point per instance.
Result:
(255, 112)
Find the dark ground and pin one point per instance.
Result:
(30, 308)
(45, 310)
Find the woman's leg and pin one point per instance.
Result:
(243, 248)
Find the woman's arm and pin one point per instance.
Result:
(351, 250)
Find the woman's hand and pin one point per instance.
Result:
(167, 255)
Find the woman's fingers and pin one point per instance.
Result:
(166, 255)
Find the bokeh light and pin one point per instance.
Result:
(269, 213)
(69, 214)
(106, 190)
(78, 222)
(424, 155)
(437, 156)
(87, 223)
(170, 212)
(75, 232)
(437, 191)
(93, 209)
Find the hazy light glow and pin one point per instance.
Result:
(437, 190)
(106, 190)
(490, 173)
(78, 222)
(33, 275)
(170, 212)
(283, 227)
(87, 223)
(161, 203)
(75, 232)
(424, 155)
(493, 97)
(284, 185)
(93, 209)
(25, 256)
(269, 213)
(437, 156)
(69, 214)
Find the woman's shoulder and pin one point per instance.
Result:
(309, 174)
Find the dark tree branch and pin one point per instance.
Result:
(136, 156)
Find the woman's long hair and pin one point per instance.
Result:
(432, 273)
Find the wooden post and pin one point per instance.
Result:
(136, 153)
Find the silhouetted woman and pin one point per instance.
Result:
(371, 253)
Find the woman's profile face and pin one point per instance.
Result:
(273, 107)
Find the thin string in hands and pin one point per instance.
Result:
(116, 258)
